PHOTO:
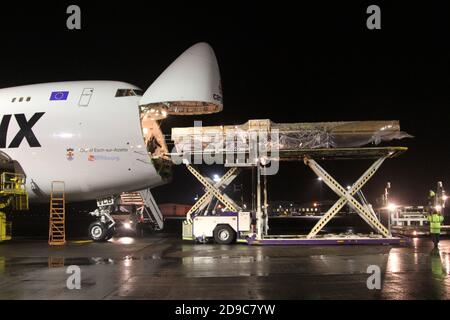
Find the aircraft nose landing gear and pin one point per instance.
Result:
(103, 229)
(128, 212)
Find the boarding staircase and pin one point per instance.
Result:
(131, 198)
(146, 206)
(57, 228)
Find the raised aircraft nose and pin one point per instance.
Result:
(190, 85)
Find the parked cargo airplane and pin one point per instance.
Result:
(102, 138)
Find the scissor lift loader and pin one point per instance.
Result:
(307, 143)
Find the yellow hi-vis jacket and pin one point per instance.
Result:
(435, 223)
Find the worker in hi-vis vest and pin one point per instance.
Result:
(435, 220)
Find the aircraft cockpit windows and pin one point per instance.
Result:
(129, 92)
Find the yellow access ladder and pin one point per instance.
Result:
(57, 228)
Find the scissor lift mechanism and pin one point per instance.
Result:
(213, 190)
(260, 235)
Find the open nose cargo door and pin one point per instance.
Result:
(189, 86)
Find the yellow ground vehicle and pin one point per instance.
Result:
(13, 197)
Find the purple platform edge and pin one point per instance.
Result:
(362, 241)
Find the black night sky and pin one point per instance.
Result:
(285, 62)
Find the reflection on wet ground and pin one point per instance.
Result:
(164, 267)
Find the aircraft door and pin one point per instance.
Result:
(86, 97)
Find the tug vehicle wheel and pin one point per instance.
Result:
(224, 234)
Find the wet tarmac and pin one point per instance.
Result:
(162, 266)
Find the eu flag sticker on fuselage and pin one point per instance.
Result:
(59, 95)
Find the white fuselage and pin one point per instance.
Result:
(104, 131)
(102, 138)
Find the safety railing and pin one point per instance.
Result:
(12, 183)
(12, 186)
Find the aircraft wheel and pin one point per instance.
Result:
(98, 231)
(224, 234)
(110, 233)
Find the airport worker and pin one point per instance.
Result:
(435, 220)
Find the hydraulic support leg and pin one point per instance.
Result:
(266, 205)
(259, 212)
(346, 196)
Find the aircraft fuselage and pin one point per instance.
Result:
(85, 133)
